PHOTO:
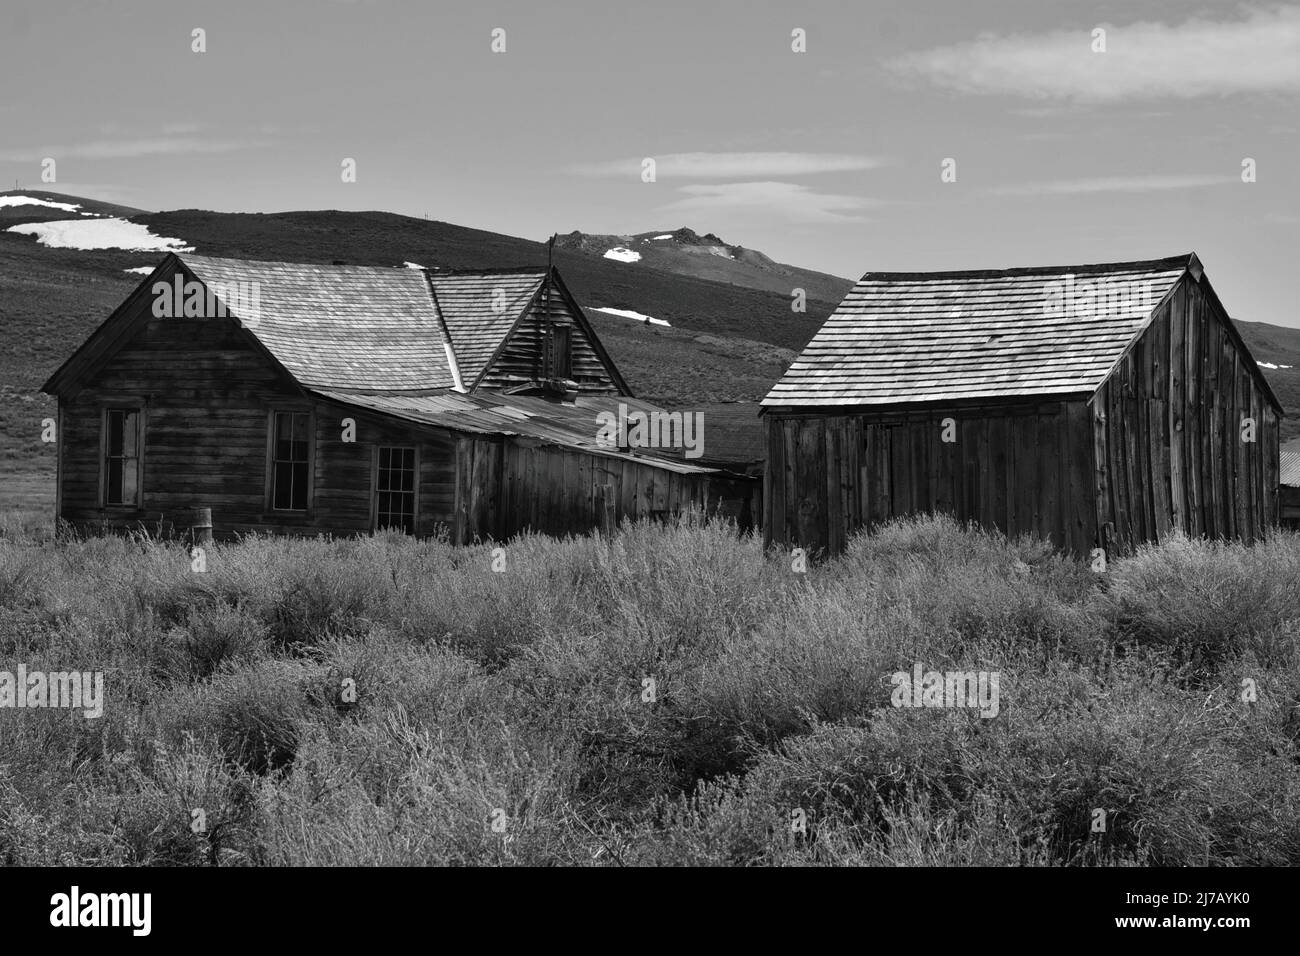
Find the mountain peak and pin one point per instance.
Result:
(704, 256)
(688, 235)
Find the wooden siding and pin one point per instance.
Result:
(207, 394)
(345, 470)
(506, 486)
(1022, 467)
(1157, 449)
(522, 356)
(1289, 507)
(1167, 432)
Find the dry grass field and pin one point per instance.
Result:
(668, 695)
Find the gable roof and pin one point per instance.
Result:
(949, 336)
(480, 309)
(345, 327)
(339, 326)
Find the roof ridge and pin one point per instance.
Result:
(328, 266)
(1167, 264)
(453, 361)
(913, 337)
(504, 270)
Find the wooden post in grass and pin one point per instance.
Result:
(605, 507)
(201, 526)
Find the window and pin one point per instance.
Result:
(561, 358)
(122, 457)
(395, 489)
(290, 460)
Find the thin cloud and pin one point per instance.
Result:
(128, 148)
(788, 202)
(729, 165)
(1112, 184)
(1257, 54)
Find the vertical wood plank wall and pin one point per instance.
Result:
(207, 395)
(1289, 507)
(1167, 433)
(1019, 468)
(1158, 448)
(505, 487)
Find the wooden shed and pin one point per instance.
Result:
(309, 398)
(1093, 405)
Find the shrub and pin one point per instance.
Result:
(527, 692)
(1207, 601)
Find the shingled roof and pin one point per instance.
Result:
(480, 309)
(342, 327)
(400, 342)
(1289, 468)
(370, 329)
(946, 336)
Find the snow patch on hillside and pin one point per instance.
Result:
(622, 254)
(141, 270)
(99, 234)
(33, 201)
(629, 314)
(1272, 366)
(666, 235)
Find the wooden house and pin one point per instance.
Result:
(1094, 405)
(308, 398)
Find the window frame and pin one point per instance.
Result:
(138, 408)
(309, 509)
(560, 333)
(415, 485)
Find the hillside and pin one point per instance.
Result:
(36, 205)
(379, 238)
(1274, 345)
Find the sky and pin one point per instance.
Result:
(1067, 145)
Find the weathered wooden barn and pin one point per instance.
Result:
(309, 398)
(1094, 405)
